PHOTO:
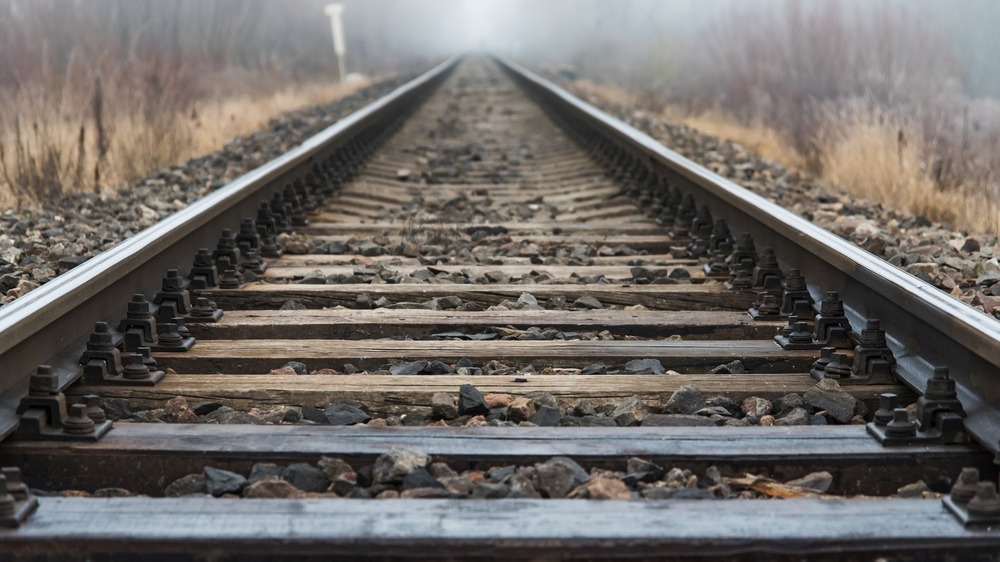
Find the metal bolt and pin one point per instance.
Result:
(94, 410)
(77, 423)
(229, 280)
(965, 489)
(170, 337)
(887, 404)
(202, 308)
(839, 366)
(800, 333)
(985, 503)
(43, 382)
(900, 426)
(135, 368)
(15, 485)
(769, 305)
(8, 505)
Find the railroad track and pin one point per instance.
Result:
(502, 313)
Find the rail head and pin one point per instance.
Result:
(925, 326)
(136, 264)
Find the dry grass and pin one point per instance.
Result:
(864, 150)
(57, 153)
(763, 140)
(758, 137)
(869, 152)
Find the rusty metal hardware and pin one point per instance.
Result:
(102, 363)
(226, 248)
(298, 215)
(139, 326)
(767, 274)
(279, 212)
(247, 237)
(939, 416)
(972, 501)
(698, 248)
(230, 279)
(741, 281)
(682, 222)
(252, 262)
(203, 274)
(173, 298)
(16, 501)
(873, 360)
(831, 328)
(796, 298)
(767, 308)
(171, 338)
(720, 234)
(818, 370)
(269, 247)
(44, 414)
(702, 218)
(744, 255)
(204, 310)
(718, 265)
(670, 206)
(265, 220)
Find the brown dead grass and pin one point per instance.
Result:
(865, 151)
(54, 153)
(871, 153)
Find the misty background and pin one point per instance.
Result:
(814, 74)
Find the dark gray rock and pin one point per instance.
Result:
(637, 366)
(546, 416)
(443, 406)
(732, 368)
(292, 304)
(437, 368)
(687, 399)
(587, 302)
(393, 466)
(816, 481)
(218, 481)
(263, 471)
(345, 413)
(636, 465)
(540, 399)
(205, 408)
(190, 484)
(629, 412)
(298, 367)
(584, 408)
(595, 369)
(420, 478)
(471, 402)
(827, 395)
(411, 368)
(597, 421)
(314, 415)
(724, 402)
(306, 477)
(557, 476)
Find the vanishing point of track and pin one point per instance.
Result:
(477, 221)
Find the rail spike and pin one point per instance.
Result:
(939, 416)
(44, 413)
(17, 503)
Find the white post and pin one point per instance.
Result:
(339, 47)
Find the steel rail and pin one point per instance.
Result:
(925, 327)
(58, 316)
